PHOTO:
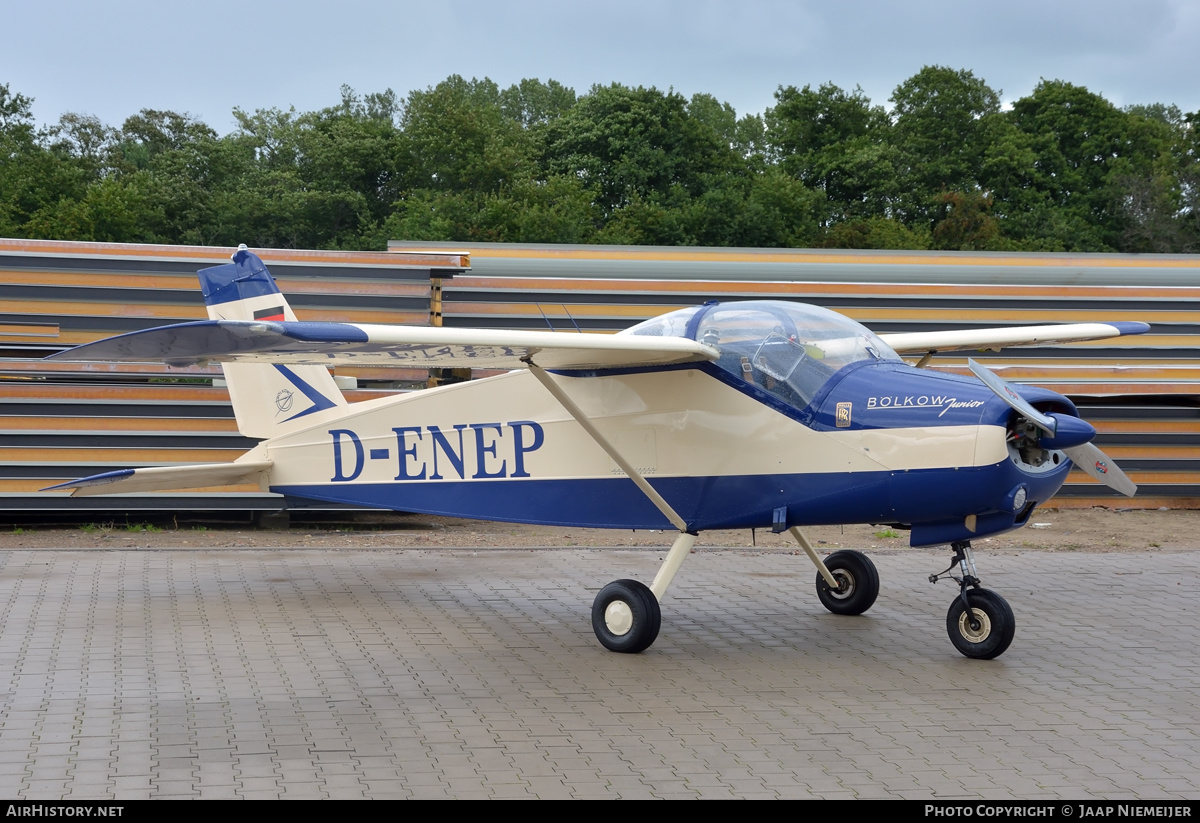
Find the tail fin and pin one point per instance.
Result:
(268, 400)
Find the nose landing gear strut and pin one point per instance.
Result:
(980, 622)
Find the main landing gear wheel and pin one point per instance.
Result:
(626, 616)
(858, 583)
(987, 630)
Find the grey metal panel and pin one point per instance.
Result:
(92, 284)
(848, 267)
(835, 265)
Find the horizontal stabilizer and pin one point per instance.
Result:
(981, 339)
(169, 477)
(351, 344)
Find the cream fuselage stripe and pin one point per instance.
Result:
(678, 423)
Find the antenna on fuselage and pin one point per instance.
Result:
(566, 311)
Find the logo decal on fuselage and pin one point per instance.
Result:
(284, 404)
(843, 414)
(922, 401)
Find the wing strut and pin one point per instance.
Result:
(601, 441)
(683, 543)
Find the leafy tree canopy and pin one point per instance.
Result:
(945, 167)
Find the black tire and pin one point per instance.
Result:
(644, 617)
(996, 625)
(858, 579)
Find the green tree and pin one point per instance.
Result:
(837, 143)
(173, 161)
(324, 179)
(944, 124)
(874, 233)
(17, 142)
(532, 102)
(964, 223)
(1157, 200)
(1085, 147)
(457, 138)
(636, 146)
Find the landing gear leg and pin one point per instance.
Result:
(847, 581)
(980, 622)
(626, 615)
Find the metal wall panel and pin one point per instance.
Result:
(1144, 391)
(60, 421)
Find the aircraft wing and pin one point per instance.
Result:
(980, 339)
(352, 344)
(168, 477)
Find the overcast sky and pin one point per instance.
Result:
(114, 58)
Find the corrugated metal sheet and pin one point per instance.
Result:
(66, 420)
(60, 421)
(1144, 390)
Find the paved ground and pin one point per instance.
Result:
(309, 674)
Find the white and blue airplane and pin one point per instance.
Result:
(756, 414)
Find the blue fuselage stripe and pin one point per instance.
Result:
(713, 502)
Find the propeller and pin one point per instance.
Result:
(1061, 431)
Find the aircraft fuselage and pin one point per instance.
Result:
(881, 443)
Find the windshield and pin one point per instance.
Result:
(789, 349)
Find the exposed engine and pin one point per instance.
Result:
(1025, 446)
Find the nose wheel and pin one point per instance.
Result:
(980, 622)
(985, 629)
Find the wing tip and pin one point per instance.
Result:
(1125, 327)
(101, 479)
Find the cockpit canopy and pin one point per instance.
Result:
(789, 349)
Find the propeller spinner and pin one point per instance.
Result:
(1065, 432)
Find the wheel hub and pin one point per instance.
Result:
(983, 626)
(618, 617)
(845, 586)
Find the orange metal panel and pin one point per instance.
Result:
(29, 330)
(169, 393)
(1029, 317)
(1146, 426)
(1122, 503)
(116, 424)
(57, 367)
(553, 309)
(634, 253)
(25, 485)
(95, 308)
(536, 285)
(1143, 452)
(376, 285)
(147, 457)
(221, 254)
(1077, 478)
(99, 280)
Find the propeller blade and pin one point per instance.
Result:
(1009, 395)
(1091, 460)
(1086, 456)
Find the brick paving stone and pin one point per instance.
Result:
(388, 674)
